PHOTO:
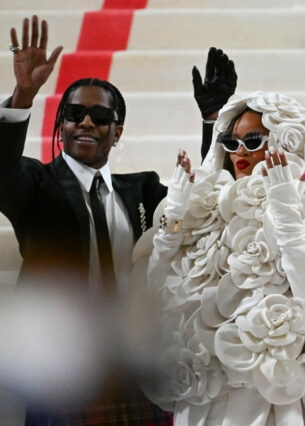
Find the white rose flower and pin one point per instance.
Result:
(203, 214)
(277, 108)
(264, 102)
(223, 303)
(268, 341)
(250, 201)
(290, 137)
(279, 324)
(246, 198)
(208, 257)
(190, 373)
(199, 265)
(253, 263)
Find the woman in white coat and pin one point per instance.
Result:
(233, 308)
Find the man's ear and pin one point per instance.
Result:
(118, 132)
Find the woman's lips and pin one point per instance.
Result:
(242, 164)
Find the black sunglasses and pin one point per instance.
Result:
(100, 116)
(252, 142)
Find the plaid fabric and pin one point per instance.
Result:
(115, 409)
(123, 415)
(105, 416)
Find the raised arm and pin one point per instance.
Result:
(32, 68)
(289, 229)
(168, 239)
(213, 93)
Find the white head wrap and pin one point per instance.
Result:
(282, 115)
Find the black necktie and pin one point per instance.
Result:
(102, 233)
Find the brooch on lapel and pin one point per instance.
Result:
(142, 212)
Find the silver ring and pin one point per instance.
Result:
(14, 48)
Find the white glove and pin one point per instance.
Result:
(276, 175)
(179, 191)
(283, 195)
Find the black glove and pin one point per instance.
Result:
(219, 82)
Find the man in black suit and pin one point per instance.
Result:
(48, 204)
(50, 208)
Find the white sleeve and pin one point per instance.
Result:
(165, 248)
(168, 239)
(289, 233)
(13, 115)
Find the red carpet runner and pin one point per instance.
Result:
(102, 33)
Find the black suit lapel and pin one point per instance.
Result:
(74, 195)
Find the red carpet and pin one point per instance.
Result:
(125, 4)
(102, 32)
(95, 63)
(105, 30)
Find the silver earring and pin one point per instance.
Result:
(60, 139)
(114, 144)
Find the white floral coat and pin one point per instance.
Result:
(235, 316)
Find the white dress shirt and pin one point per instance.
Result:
(120, 229)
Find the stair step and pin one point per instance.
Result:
(177, 29)
(169, 70)
(56, 5)
(228, 28)
(162, 113)
(138, 153)
(224, 4)
(64, 26)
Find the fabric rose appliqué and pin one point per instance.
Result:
(253, 264)
(269, 342)
(203, 215)
(291, 137)
(246, 198)
(191, 373)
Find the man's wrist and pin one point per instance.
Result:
(23, 98)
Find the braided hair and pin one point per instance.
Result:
(118, 102)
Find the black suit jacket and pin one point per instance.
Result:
(46, 207)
